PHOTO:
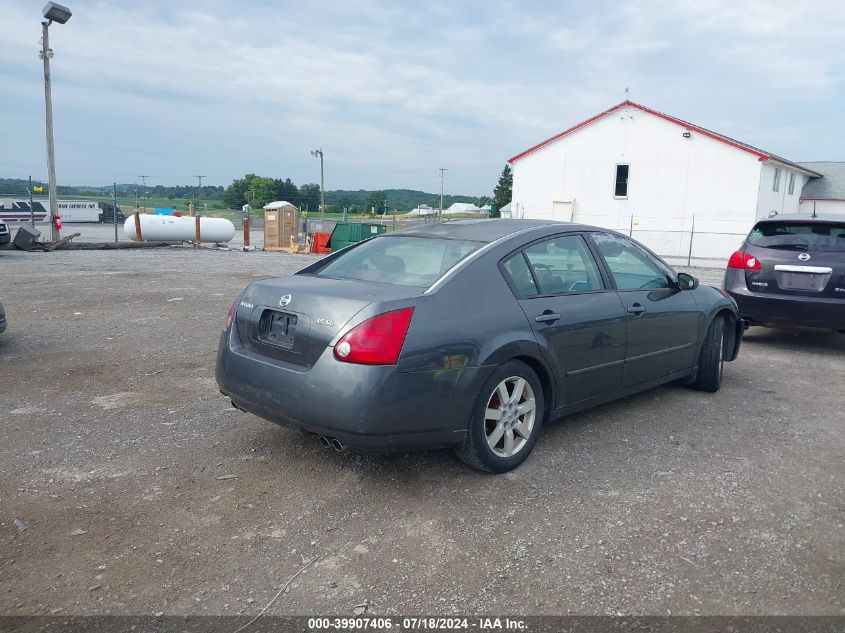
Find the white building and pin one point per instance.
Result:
(684, 191)
(422, 210)
(825, 194)
(461, 207)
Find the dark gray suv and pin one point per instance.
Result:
(791, 271)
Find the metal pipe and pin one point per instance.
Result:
(337, 445)
(324, 441)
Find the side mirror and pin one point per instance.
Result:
(687, 282)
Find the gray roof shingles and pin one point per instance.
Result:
(831, 186)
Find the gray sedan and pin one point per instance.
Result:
(470, 335)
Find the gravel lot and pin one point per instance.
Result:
(132, 487)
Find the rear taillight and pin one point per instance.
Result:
(376, 341)
(743, 260)
(231, 314)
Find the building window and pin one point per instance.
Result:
(620, 189)
(776, 181)
(792, 184)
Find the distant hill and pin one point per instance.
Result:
(402, 199)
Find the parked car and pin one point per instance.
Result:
(5, 235)
(471, 335)
(2, 319)
(790, 270)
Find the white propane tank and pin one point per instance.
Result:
(168, 228)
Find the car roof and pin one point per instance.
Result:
(488, 230)
(804, 217)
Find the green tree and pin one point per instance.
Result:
(262, 191)
(286, 190)
(235, 195)
(309, 197)
(503, 192)
(377, 200)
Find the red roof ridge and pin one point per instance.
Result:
(689, 126)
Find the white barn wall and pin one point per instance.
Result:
(823, 206)
(671, 179)
(781, 201)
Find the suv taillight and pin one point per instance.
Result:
(376, 341)
(231, 314)
(743, 260)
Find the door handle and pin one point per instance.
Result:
(547, 317)
(636, 309)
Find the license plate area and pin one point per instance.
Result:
(808, 282)
(277, 328)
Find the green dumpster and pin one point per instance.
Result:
(346, 233)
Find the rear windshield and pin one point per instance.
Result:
(404, 261)
(799, 236)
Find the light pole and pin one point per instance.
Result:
(315, 153)
(53, 13)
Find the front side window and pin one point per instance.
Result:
(620, 189)
(791, 184)
(404, 261)
(776, 180)
(557, 266)
(631, 267)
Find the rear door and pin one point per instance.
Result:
(797, 258)
(662, 321)
(580, 321)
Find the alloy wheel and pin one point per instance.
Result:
(509, 416)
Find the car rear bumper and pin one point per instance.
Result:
(363, 406)
(820, 312)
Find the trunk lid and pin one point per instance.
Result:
(797, 272)
(293, 319)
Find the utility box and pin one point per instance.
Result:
(280, 225)
(26, 238)
(346, 233)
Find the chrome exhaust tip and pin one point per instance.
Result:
(324, 441)
(337, 445)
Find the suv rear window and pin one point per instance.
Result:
(799, 236)
(403, 261)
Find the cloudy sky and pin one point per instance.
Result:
(393, 90)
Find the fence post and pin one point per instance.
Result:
(691, 235)
(137, 224)
(197, 236)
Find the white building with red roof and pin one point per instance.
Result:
(684, 191)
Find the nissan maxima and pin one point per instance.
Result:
(471, 335)
(790, 270)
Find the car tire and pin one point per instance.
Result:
(711, 360)
(499, 438)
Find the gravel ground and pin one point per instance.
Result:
(132, 487)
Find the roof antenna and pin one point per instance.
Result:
(626, 94)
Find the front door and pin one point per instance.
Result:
(662, 320)
(579, 321)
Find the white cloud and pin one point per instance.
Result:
(394, 91)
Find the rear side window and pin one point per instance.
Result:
(799, 235)
(404, 261)
(557, 266)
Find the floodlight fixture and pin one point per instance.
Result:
(56, 12)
